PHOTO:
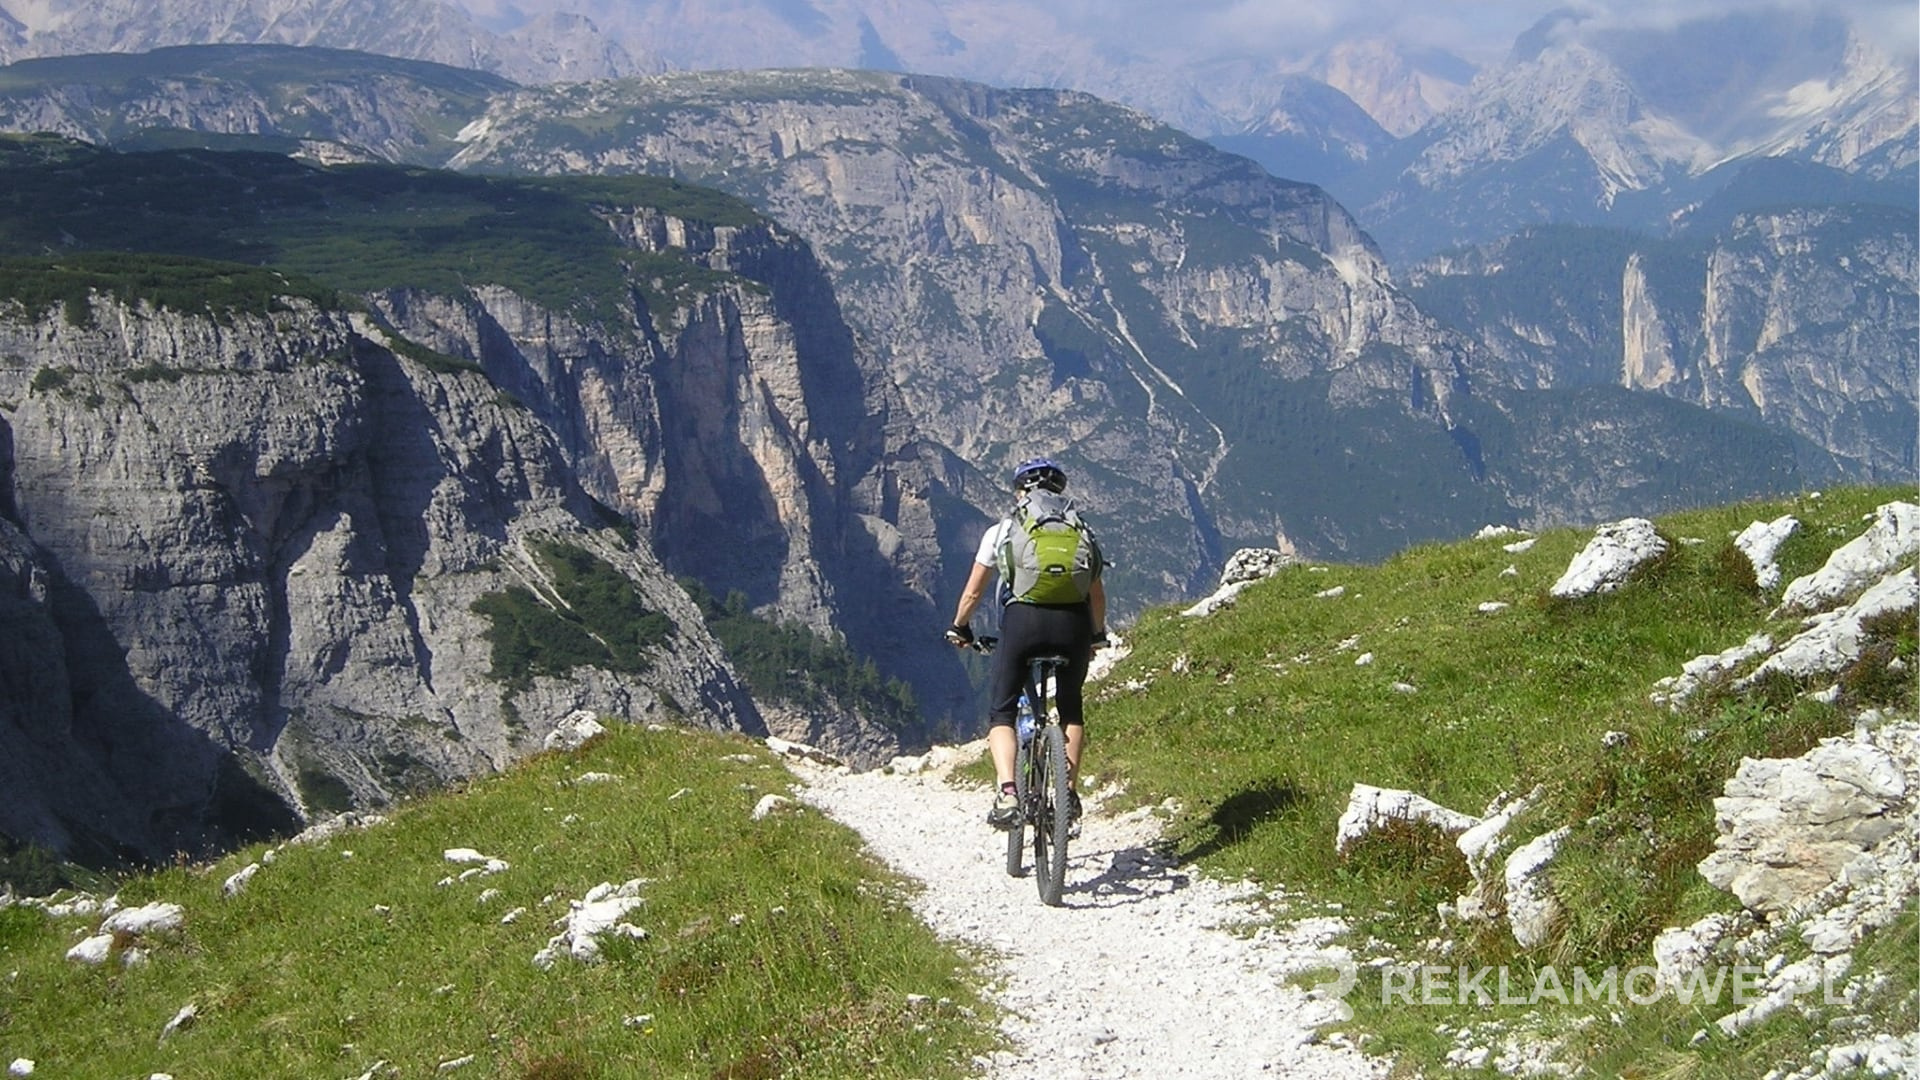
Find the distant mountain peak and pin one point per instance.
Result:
(1401, 89)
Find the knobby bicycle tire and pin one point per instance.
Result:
(1052, 823)
(1039, 817)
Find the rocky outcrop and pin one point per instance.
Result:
(251, 546)
(1789, 827)
(1371, 808)
(1760, 542)
(1864, 584)
(1890, 539)
(1247, 566)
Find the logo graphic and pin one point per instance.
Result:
(1336, 991)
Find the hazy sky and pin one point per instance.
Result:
(1479, 30)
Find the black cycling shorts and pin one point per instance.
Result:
(1030, 630)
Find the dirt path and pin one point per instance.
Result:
(1137, 975)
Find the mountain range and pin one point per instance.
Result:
(1582, 120)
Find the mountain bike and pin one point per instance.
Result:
(1042, 784)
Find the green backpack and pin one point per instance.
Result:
(1050, 555)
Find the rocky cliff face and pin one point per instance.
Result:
(1040, 272)
(1798, 320)
(743, 429)
(1029, 272)
(244, 551)
(1802, 319)
(1219, 356)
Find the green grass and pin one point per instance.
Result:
(180, 283)
(1258, 721)
(773, 947)
(789, 664)
(191, 214)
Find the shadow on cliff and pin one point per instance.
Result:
(129, 781)
(881, 616)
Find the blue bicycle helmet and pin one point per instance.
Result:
(1039, 472)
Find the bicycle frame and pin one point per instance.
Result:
(1041, 781)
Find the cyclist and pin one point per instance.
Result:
(1027, 630)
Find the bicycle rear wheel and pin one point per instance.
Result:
(1051, 824)
(1017, 832)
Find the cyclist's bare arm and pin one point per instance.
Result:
(970, 596)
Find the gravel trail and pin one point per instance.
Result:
(1137, 975)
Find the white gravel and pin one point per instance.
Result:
(1138, 974)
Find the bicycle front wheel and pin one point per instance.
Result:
(1051, 825)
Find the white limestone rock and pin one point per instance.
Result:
(1680, 951)
(1701, 671)
(1370, 808)
(1834, 639)
(481, 865)
(182, 1019)
(146, 920)
(573, 732)
(236, 883)
(1789, 826)
(1891, 539)
(1610, 558)
(769, 804)
(1760, 543)
(1247, 566)
(1253, 564)
(1783, 988)
(1482, 842)
(1532, 909)
(602, 911)
(93, 951)
(803, 752)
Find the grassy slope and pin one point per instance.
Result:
(774, 948)
(1258, 720)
